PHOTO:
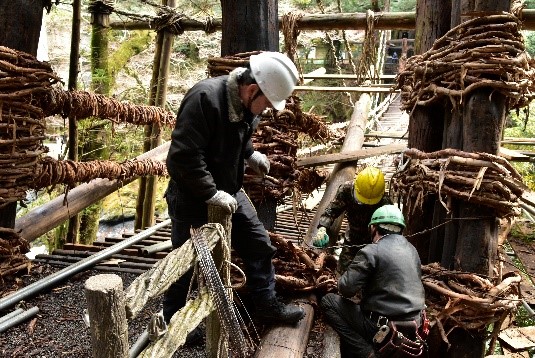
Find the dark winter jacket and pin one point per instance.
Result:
(358, 215)
(389, 274)
(211, 140)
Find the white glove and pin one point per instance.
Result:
(225, 200)
(259, 163)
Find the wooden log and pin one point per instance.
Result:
(341, 21)
(217, 214)
(342, 76)
(362, 89)
(107, 315)
(342, 172)
(350, 156)
(288, 341)
(46, 217)
(331, 343)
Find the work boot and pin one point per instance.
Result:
(273, 311)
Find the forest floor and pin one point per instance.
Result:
(59, 330)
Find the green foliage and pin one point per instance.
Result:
(521, 127)
(529, 40)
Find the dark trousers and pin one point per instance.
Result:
(248, 237)
(355, 330)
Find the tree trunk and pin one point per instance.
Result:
(426, 123)
(249, 25)
(20, 31)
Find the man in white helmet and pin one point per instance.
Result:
(210, 145)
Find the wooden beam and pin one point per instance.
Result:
(342, 172)
(518, 338)
(342, 76)
(363, 89)
(341, 21)
(512, 155)
(350, 156)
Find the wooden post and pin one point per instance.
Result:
(342, 172)
(107, 315)
(216, 214)
(74, 222)
(156, 137)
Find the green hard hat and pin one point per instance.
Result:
(388, 214)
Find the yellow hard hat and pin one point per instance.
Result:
(369, 186)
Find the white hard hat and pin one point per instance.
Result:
(276, 75)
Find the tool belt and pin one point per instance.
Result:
(399, 339)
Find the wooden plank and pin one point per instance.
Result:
(342, 76)
(363, 89)
(393, 134)
(519, 338)
(350, 156)
(331, 343)
(513, 155)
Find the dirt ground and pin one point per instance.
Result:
(58, 330)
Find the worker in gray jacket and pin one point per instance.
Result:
(211, 144)
(388, 274)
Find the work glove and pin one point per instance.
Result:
(322, 238)
(225, 200)
(259, 163)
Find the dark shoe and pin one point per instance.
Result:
(274, 311)
(195, 337)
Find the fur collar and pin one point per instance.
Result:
(235, 106)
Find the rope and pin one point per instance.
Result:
(291, 32)
(483, 52)
(51, 172)
(478, 178)
(169, 20)
(368, 56)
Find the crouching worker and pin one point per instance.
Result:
(358, 199)
(388, 273)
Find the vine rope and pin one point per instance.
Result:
(483, 52)
(478, 178)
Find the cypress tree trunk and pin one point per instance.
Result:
(426, 123)
(20, 31)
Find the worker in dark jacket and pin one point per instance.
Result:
(388, 274)
(358, 199)
(210, 145)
